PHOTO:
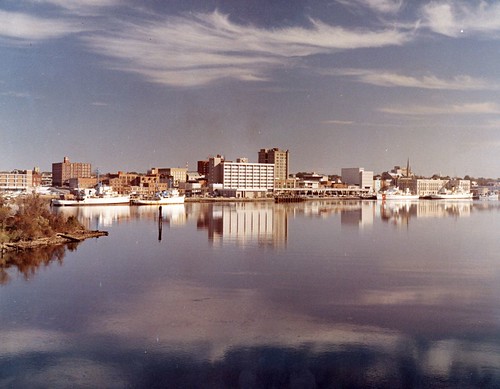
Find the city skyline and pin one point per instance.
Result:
(130, 85)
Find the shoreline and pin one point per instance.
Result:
(58, 239)
(225, 199)
(251, 200)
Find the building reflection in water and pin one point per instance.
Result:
(360, 215)
(245, 224)
(267, 223)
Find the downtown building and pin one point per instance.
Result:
(176, 176)
(62, 172)
(17, 180)
(425, 187)
(357, 176)
(281, 161)
(240, 178)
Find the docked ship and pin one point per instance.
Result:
(100, 195)
(489, 196)
(162, 198)
(452, 194)
(396, 194)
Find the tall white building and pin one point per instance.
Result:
(243, 179)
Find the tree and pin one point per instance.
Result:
(34, 220)
(5, 213)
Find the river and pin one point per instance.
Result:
(255, 295)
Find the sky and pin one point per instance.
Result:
(128, 85)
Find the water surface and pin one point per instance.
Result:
(314, 294)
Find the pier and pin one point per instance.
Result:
(295, 195)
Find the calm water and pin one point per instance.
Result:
(310, 295)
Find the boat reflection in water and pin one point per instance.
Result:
(338, 298)
(98, 216)
(174, 214)
(399, 213)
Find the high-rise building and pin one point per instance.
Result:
(280, 159)
(243, 179)
(63, 171)
(203, 168)
(214, 169)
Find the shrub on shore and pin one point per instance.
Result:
(33, 220)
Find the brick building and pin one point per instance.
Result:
(63, 171)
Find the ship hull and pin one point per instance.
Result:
(118, 200)
(162, 201)
(463, 196)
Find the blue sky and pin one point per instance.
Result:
(129, 85)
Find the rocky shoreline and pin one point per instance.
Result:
(58, 239)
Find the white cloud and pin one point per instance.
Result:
(80, 3)
(390, 79)
(384, 6)
(378, 6)
(81, 7)
(200, 48)
(455, 109)
(340, 122)
(19, 95)
(239, 318)
(452, 18)
(15, 342)
(23, 27)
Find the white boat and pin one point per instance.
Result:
(396, 194)
(489, 196)
(162, 198)
(453, 194)
(101, 195)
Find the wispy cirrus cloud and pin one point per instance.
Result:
(455, 109)
(391, 79)
(20, 95)
(200, 48)
(78, 4)
(385, 6)
(453, 18)
(339, 122)
(80, 7)
(17, 27)
(379, 6)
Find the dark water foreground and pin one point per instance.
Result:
(309, 295)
